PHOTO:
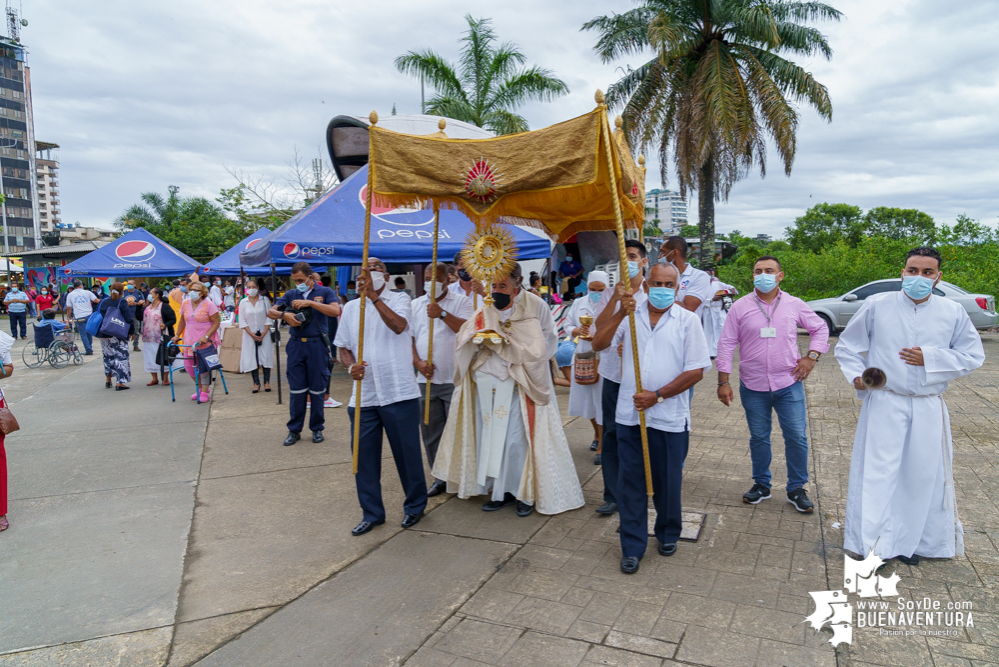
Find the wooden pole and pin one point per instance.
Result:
(619, 219)
(373, 118)
(433, 299)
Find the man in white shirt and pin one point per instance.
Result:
(389, 395)
(229, 296)
(215, 292)
(450, 312)
(80, 306)
(695, 285)
(467, 285)
(673, 356)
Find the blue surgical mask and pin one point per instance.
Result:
(595, 296)
(662, 297)
(765, 282)
(183, 289)
(302, 287)
(568, 258)
(351, 292)
(130, 287)
(917, 287)
(633, 269)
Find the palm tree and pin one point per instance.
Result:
(487, 84)
(717, 87)
(155, 211)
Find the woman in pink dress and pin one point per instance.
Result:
(199, 324)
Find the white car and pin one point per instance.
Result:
(837, 311)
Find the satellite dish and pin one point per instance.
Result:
(24, 22)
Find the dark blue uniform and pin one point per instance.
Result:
(308, 368)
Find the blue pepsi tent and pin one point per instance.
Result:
(227, 264)
(331, 231)
(136, 254)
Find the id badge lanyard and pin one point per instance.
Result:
(768, 331)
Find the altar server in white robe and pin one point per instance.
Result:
(901, 500)
(504, 435)
(584, 399)
(714, 314)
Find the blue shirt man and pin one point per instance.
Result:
(573, 271)
(17, 306)
(308, 354)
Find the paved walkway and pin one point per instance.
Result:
(271, 575)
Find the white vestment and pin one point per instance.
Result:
(504, 433)
(584, 399)
(901, 492)
(713, 316)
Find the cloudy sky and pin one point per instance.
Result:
(142, 95)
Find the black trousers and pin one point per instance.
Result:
(608, 444)
(666, 454)
(401, 423)
(19, 319)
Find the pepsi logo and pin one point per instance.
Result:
(415, 217)
(291, 250)
(135, 251)
(255, 242)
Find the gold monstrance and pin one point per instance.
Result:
(489, 253)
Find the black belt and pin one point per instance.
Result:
(308, 338)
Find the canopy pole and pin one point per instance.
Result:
(619, 220)
(373, 118)
(277, 333)
(433, 299)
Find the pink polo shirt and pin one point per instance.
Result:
(765, 364)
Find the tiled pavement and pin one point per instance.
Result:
(738, 596)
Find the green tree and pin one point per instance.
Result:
(899, 223)
(487, 84)
(967, 231)
(717, 87)
(690, 231)
(824, 225)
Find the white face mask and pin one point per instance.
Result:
(440, 288)
(194, 296)
(377, 280)
(252, 291)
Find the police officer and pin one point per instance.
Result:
(308, 354)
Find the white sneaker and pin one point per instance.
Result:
(331, 403)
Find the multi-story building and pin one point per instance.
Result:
(17, 156)
(47, 172)
(667, 209)
(67, 233)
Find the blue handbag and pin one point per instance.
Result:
(207, 359)
(94, 323)
(114, 325)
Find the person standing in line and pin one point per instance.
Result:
(467, 285)
(157, 319)
(138, 301)
(585, 400)
(115, 350)
(308, 369)
(229, 297)
(178, 294)
(610, 368)
(198, 327)
(44, 300)
(673, 356)
(257, 349)
(17, 305)
(215, 293)
(8, 370)
(389, 396)
(451, 310)
(764, 326)
(901, 501)
(32, 293)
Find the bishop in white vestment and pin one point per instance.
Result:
(504, 435)
(901, 499)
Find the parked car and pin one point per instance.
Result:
(837, 311)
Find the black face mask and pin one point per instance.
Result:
(500, 300)
(464, 275)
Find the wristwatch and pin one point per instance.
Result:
(659, 399)
(442, 315)
(814, 356)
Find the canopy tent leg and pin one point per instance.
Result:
(619, 220)
(277, 334)
(433, 299)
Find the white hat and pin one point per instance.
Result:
(598, 277)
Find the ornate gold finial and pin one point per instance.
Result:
(618, 122)
(641, 161)
(441, 124)
(373, 117)
(599, 96)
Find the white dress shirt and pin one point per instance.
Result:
(389, 377)
(458, 305)
(676, 345)
(215, 295)
(694, 282)
(610, 363)
(229, 299)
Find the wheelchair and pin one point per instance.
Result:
(57, 348)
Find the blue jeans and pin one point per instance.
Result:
(18, 319)
(789, 404)
(88, 342)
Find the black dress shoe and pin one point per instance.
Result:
(494, 505)
(437, 488)
(667, 549)
(411, 520)
(597, 460)
(594, 446)
(292, 438)
(523, 509)
(629, 564)
(317, 437)
(607, 508)
(909, 560)
(121, 387)
(364, 527)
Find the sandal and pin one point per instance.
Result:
(256, 389)
(153, 383)
(4, 524)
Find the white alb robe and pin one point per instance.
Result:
(713, 316)
(901, 493)
(584, 399)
